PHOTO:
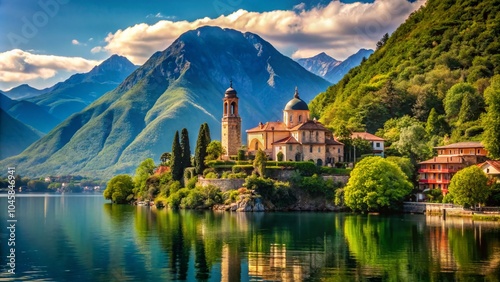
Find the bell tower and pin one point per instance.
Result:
(231, 123)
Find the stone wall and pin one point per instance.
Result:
(429, 208)
(223, 184)
(337, 178)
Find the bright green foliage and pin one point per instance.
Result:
(280, 156)
(469, 187)
(454, 98)
(186, 150)
(414, 70)
(142, 173)
(412, 143)
(119, 189)
(259, 163)
(214, 150)
(241, 155)
(392, 128)
(201, 149)
(376, 184)
(405, 165)
(472, 106)
(491, 138)
(176, 163)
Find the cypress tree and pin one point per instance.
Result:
(176, 162)
(201, 150)
(208, 139)
(186, 150)
(491, 137)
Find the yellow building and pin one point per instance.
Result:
(297, 137)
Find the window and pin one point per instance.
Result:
(256, 145)
(303, 135)
(319, 149)
(310, 148)
(377, 145)
(291, 118)
(317, 134)
(487, 170)
(300, 118)
(290, 147)
(338, 150)
(478, 151)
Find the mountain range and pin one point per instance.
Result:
(182, 86)
(332, 69)
(24, 91)
(72, 95)
(15, 136)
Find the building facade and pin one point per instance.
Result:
(296, 138)
(492, 169)
(231, 123)
(436, 173)
(376, 142)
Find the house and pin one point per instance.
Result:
(436, 173)
(296, 138)
(376, 142)
(491, 168)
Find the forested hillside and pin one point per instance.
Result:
(434, 68)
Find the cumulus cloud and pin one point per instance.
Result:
(75, 42)
(20, 66)
(338, 28)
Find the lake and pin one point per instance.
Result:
(84, 238)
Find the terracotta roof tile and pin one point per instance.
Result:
(366, 136)
(287, 140)
(462, 145)
(268, 126)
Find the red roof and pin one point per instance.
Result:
(269, 126)
(495, 164)
(330, 141)
(309, 125)
(366, 136)
(287, 140)
(461, 145)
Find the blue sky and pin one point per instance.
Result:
(44, 41)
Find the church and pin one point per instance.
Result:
(297, 137)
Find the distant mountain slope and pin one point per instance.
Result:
(24, 91)
(320, 64)
(332, 69)
(182, 86)
(442, 44)
(80, 90)
(29, 113)
(15, 136)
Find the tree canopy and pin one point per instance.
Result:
(491, 138)
(376, 184)
(201, 148)
(186, 150)
(143, 171)
(176, 163)
(119, 189)
(214, 150)
(469, 187)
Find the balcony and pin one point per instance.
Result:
(434, 181)
(435, 170)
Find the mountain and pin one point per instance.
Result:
(24, 91)
(80, 90)
(320, 64)
(182, 86)
(443, 51)
(332, 69)
(338, 72)
(29, 113)
(15, 136)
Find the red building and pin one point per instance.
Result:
(437, 172)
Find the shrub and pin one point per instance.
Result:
(192, 182)
(208, 170)
(230, 196)
(211, 175)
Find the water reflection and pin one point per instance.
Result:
(85, 239)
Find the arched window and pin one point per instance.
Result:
(256, 146)
(317, 135)
(233, 108)
(225, 109)
(303, 135)
(300, 118)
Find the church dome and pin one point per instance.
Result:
(230, 92)
(296, 103)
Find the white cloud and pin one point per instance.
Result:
(339, 29)
(21, 66)
(75, 42)
(96, 49)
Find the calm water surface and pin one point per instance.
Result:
(83, 238)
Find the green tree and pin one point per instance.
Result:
(119, 189)
(186, 150)
(469, 187)
(208, 139)
(376, 184)
(454, 98)
(491, 137)
(405, 165)
(259, 163)
(432, 126)
(471, 108)
(165, 158)
(280, 156)
(412, 143)
(214, 150)
(201, 150)
(176, 163)
(241, 155)
(142, 173)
